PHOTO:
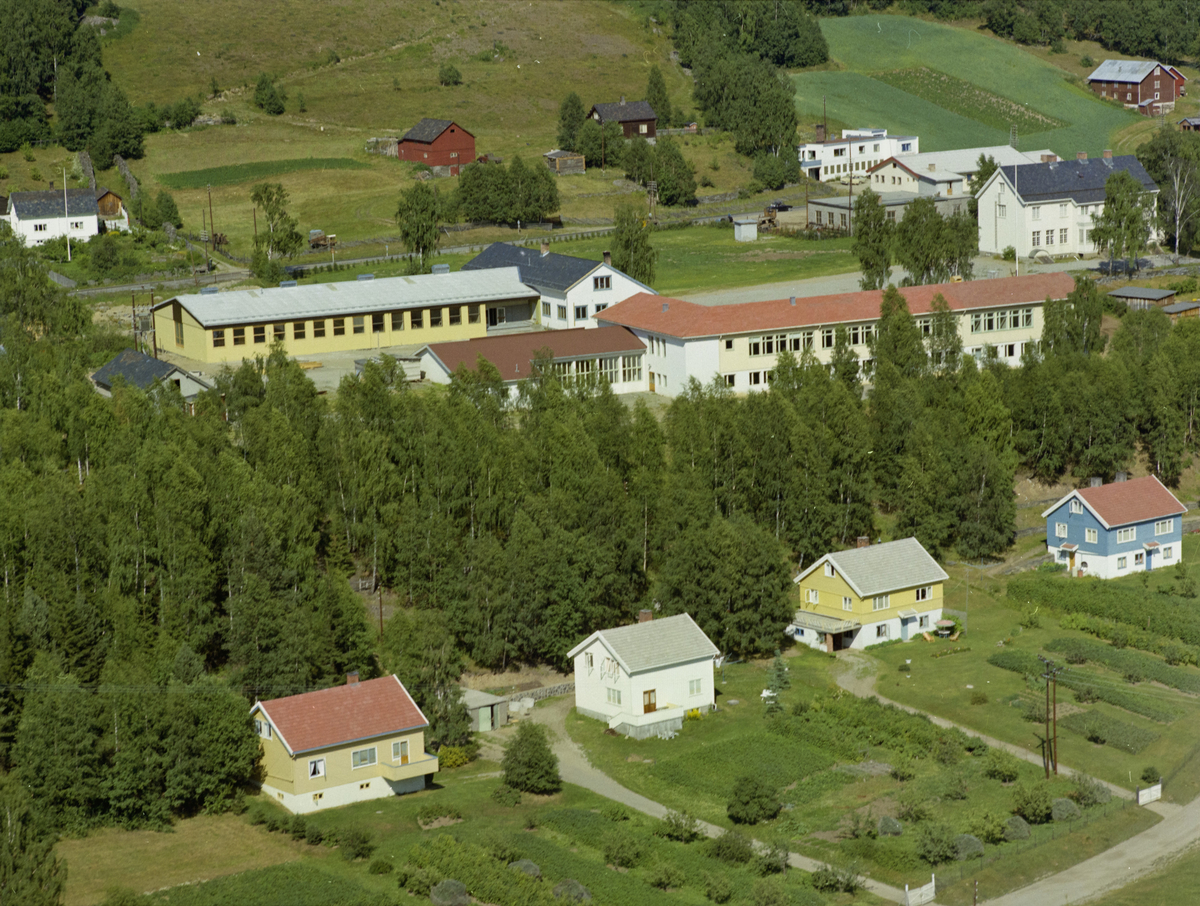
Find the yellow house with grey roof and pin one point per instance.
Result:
(868, 595)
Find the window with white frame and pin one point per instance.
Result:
(1167, 552)
(1062, 236)
(589, 660)
(631, 368)
(1002, 211)
(400, 751)
(362, 758)
(1060, 530)
(613, 695)
(812, 596)
(1076, 506)
(1062, 210)
(829, 570)
(546, 309)
(562, 312)
(1035, 238)
(847, 603)
(827, 338)
(1049, 237)
(1036, 212)
(1121, 562)
(881, 631)
(924, 593)
(608, 369)
(1091, 535)
(1164, 527)
(695, 687)
(580, 312)
(262, 728)
(881, 602)
(1125, 535)
(316, 767)
(1139, 559)
(39, 227)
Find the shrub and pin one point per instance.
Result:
(3, 172)
(313, 835)
(454, 756)
(528, 763)
(506, 795)
(771, 860)
(988, 826)
(1034, 711)
(1089, 792)
(1064, 810)
(1032, 802)
(754, 800)
(947, 751)
(889, 827)
(432, 811)
(731, 847)
(913, 807)
(1086, 61)
(1009, 253)
(954, 786)
(679, 826)
(717, 888)
(500, 849)
(1016, 828)
(665, 876)
(622, 849)
(902, 768)
(416, 880)
(526, 867)
(860, 826)
(27, 153)
(935, 844)
(355, 844)
(449, 893)
(298, 827)
(572, 890)
(836, 878)
(1151, 775)
(1001, 765)
(967, 846)
(449, 75)
(380, 867)
(979, 697)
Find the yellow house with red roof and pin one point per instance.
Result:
(341, 745)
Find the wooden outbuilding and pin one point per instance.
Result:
(443, 145)
(562, 162)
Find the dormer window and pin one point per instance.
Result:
(1076, 507)
(829, 571)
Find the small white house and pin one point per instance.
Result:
(642, 679)
(856, 152)
(38, 217)
(573, 290)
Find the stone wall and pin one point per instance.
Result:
(544, 692)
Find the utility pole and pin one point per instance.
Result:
(212, 226)
(133, 309)
(381, 610)
(1051, 677)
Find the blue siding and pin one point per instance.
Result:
(1106, 543)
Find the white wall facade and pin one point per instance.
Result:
(600, 679)
(37, 230)
(856, 152)
(344, 794)
(577, 307)
(875, 633)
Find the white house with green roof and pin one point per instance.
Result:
(642, 679)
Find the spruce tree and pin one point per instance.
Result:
(30, 873)
(529, 765)
(571, 116)
(656, 96)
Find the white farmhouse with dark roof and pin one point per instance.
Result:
(642, 679)
(38, 217)
(1049, 206)
(573, 290)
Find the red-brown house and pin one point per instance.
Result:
(635, 118)
(1148, 86)
(1180, 81)
(441, 144)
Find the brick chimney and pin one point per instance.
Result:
(1081, 155)
(1107, 154)
(545, 247)
(820, 133)
(1049, 158)
(352, 678)
(864, 541)
(933, 168)
(608, 258)
(645, 616)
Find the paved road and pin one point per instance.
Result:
(1113, 868)
(575, 768)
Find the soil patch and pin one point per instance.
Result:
(444, 821)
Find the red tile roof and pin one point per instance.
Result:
(677, 318)
(1135, 500)
(342, 714)
(513, 353)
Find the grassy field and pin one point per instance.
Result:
(875, 44)
(1176, 883)
(241, 173)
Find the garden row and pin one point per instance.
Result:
(1121, 635)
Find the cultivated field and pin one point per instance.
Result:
(866, 45)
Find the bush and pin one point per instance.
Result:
(449, 75)
(380, 867)
(416, 880)
(526, 867)
(432, 811)
(679, 826)
(776, 172)
(449, 893)
(988, 827)
(935, 844)
(3, 172)
(1151, 775)
(355, 844)
(967, 846)
(1032, 802)
(1064, 810)
(454, 756)
(572, 890)
(665, 876)
(622, 849)
(506, 795)
(731, 847)
(614, 811)
(836, 879)
(1089, 792)
(298, 827)
(27, 153)
(771, 860)
(979, 697)
(913, 807)
(1009, 253)
(1001, 765)
(528, 763)
(889, 827)
(717, 888)
(313, 835)
(902, 769)
(1016, 828)
(267, 97)
(754, 800)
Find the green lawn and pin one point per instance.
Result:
(872, 44)
(1173, 885)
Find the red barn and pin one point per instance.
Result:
(1146, 86)
(441, 144)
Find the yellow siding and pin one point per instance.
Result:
(832, 589)
(291, 774)
(277, 764)
(198, 343)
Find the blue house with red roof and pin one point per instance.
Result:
(1115, 529)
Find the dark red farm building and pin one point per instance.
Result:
(439, 144)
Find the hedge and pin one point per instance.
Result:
(1131, 664)
(1110, 731)
(1167, 647)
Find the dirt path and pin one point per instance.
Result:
(575, 768)
(1115, 867)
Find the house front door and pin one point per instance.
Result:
(649, 701)
(651, 381)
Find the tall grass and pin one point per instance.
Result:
(233, 174)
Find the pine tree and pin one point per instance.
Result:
(656, 96)
(30, 873)
(571, 116)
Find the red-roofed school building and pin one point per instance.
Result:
(740, 343)
(344, 744)
(1111, 530)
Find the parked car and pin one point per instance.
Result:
(778, 205)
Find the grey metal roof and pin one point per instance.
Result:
(557, 154)
(29, 205)
(135, 367)
(965, 161)
(1123, 71)
(625, 111)
(427, 130)
(887, 199)
(653, 644)
(287, 303)
(473, 699)
(882, 568)
(549, 271)
(1142, 292)
(1080, 180)
(1176, 308)
(1191, 120)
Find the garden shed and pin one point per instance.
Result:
(562, 162)
(487, 711)
(745, 229)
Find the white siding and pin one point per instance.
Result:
(672, 685)
(54, 227)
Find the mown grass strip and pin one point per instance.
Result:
(237, 173)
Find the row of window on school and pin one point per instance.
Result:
(358, 324)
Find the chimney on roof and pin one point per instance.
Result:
(545, 247)
(1108, 154)
(1081, 155)
(792, 300)
(645, 616)
(1049, 158)
(863, 541)
(1095, 481)
(352, 678)
(622, 100)
(665, 306)
(608, 258)
(820, 133)
(1122, 476)
(933, 168)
